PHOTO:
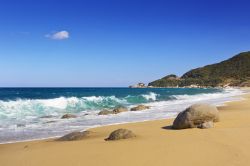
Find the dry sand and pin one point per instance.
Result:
(227, 144)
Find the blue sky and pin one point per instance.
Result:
(115, 42)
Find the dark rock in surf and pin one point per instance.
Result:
(67, 116)
(105, 112)
(140, 107)
(46, 116)
(119, 110)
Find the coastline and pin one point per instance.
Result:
(155, 144)
(159, 110)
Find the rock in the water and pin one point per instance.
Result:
(52, 121)
(105, 112)
(119, 110)
(139, 108)
(20, 125)
(74, 136)
(67, 116)
(198, 115)
(120, 134)
(47, 116)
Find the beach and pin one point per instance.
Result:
(37, 113)
(155, 144)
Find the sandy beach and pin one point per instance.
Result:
(156, 144)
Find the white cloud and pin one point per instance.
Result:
(61, 35)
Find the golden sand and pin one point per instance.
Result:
(227, 144)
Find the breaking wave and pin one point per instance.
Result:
(57, 106)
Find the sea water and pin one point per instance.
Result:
(35, 113)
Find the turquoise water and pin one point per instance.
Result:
(22, 109)
(81, 99)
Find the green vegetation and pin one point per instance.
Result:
(232, 72)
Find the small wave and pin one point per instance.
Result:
(204, 96)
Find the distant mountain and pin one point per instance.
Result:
(232, 72)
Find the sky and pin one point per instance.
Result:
(115, 43)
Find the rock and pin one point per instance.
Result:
(67, 116)
(198, 115)
(120, 134)
(52, 121)
(206, 125)
(119, 110)
(139, 108)
(105, 112)
(47, 116)
(74, 136)
(20, 125)
(245, 84)
(139, 85)
(115, 111)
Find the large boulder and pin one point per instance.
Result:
(197, 115)
(74, 136)
(105, 112)
(120, 134)
(67, 116)
(120, 109)
(139, 108)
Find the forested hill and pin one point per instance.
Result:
(232, 72)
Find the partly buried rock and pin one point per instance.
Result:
(74, 136)
(67, 116)
(120, 134)
(119, 110)
(198, 115)
(206, 125)
(140, 107)
(105, 112)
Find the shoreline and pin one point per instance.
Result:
(232, 99)
(155, 144)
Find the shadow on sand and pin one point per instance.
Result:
(168, 127)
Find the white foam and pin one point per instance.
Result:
(150, 96)
(60, 102)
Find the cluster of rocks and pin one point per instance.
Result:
(117, 110)
(120, 109)
(196, 116)
(115, 135)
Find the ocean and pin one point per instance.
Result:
(22, 110)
